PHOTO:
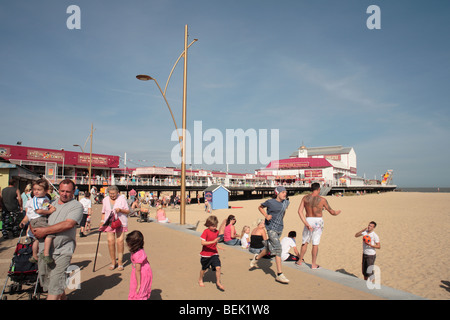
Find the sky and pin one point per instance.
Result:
(313, 70)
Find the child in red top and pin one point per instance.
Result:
(209, 254)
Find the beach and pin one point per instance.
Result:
(413, 231)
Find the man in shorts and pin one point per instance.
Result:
(276, 208)
(62, 223)
(313, 204)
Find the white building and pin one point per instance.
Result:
(335, 165)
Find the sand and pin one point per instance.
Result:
(413, 230)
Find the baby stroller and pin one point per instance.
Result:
(22, 272)
(143, 216)
(144, 212)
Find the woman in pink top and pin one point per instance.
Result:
(115, 204)
(230, 237)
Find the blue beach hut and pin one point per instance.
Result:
(217, 195)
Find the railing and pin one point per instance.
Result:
(191, 183)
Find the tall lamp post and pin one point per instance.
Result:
(181, 139)
(90, 154)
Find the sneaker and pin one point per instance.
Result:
(281, 278)
(254, 262)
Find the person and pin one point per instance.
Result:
(87, 212)
(115, 205)
(93, 192)
(286, 244)
(133, 194)
(76, 194)
(207, 206)
(222, 230)
(209, 254)
(230, 236)
(62, 223)
(258, 237)
(135, 207)
(52, 193)
(276, 209)
(161, 215)
(141, 272)
(26, 195)
(38, 210)
(245, 237)
(12, 209)
(313, 204)
(369, 253)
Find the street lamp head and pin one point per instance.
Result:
(143, 77)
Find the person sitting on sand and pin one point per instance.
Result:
(258, 237)
(286, 244)
(230, 236)
(245, 237)
(161, 215)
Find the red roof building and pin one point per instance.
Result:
(59, 164)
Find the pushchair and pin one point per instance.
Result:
(144, 212)
(143, 216)
(22, 272)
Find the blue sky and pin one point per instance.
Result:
(311, 69)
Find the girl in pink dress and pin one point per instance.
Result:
(141, 274)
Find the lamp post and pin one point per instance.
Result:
(181, 139)
(90, 154)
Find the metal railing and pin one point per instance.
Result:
(153, 182)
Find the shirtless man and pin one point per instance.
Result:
(313, 204)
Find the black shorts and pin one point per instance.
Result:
(83, 220)
(212, 262)
(367, 261)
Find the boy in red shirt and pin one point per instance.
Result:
(209, 254)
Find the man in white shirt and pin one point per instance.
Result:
(286, 244)
(369, 253)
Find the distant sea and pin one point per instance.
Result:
(422, 189)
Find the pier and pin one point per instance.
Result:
(240, 191)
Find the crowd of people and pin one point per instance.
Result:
(52, 219)
(264, 240)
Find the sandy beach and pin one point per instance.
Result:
(413, 230)
(413, 255)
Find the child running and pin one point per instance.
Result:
(209, 254)
(141, 274)
(38, 208)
